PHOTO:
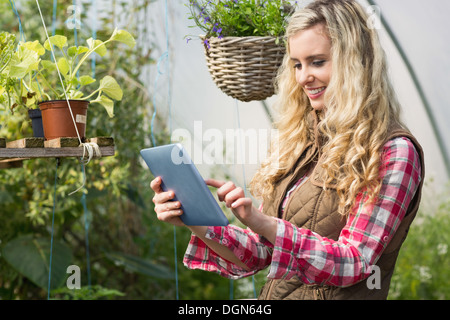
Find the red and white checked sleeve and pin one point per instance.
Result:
(244, 243)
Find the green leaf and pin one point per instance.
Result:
(124, 37)
(57, 40)
(30, 257)
(75, 94)
(107, 103)
(63, 66)
(48, 65)
(75, 51)
(22, 62)
(35, 46)
(101, 50)
(85, 80)
(110, 86)
(139, 265)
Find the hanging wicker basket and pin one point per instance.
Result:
(245, 67)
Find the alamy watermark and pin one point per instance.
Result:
(374, 20)
(374, 280)
(74, 16)
(232, 146)
(74, 280)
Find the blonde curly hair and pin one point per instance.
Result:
(360, 106)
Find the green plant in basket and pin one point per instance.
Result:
(241, 18)
(31, 76)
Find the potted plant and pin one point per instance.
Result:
(28, 81)
(243, 43)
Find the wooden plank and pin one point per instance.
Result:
(6, 153)
(29, 148)
(102, 141)
(2, 143)
(62, 143)
(26, 143)
(74, 142)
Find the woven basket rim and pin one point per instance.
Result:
(249, 39)
(244, 67)
(240, 37)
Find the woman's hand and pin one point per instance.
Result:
(166, 209)
(242, 207)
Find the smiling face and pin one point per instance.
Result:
(310, 50)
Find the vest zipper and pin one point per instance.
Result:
(319, 294)
(269, 292)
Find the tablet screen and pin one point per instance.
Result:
(178, 173)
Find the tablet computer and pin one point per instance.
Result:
(178, 173)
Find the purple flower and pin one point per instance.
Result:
(207, 43)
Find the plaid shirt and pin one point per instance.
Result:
(311, 257)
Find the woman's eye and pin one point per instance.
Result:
(319, 63)
(298, 66)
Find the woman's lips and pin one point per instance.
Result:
(315, 93)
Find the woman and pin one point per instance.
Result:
(344, 185)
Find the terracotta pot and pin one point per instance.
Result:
(58, 122)
(36, 122)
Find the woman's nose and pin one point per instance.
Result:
(304, 77)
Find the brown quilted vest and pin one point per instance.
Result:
(311, 207)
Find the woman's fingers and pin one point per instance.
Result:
(227, 191)
(241, 202)
(166, 209)
(232, 194)
(214, 183)
(170, 206)
(172, 217)
(234, 198)
(222, 187)
(167, 215)
(155, 184)
(160, 194)
(163, 197)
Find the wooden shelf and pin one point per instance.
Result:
(29, 148)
